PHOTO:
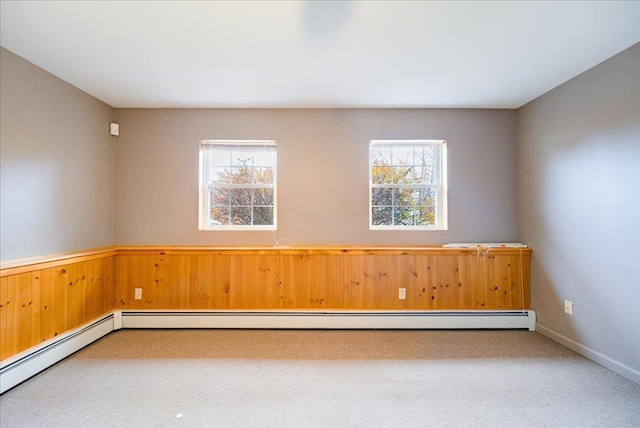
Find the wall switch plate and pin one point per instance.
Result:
(568, 307)
(402, 293)
(114, 129)
(138, 294)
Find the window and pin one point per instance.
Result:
(407, 185)
(237, 185)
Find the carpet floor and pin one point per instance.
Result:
(319, 378)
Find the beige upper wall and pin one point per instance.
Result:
(579, 207)
(56, 173)
(57, 176)
(322, 173)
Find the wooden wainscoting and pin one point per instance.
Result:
(40, 299)
(322, 278)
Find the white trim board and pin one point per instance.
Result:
(26, 364)
(591, 354)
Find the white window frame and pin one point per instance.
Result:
(204, 179)
(441, 186)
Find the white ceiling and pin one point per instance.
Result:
(318, 54)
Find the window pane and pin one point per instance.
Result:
(426, 161)
(424, 196)
(241, 215)
(405, 175)
(381, 156)
(381, 196)
(241, 158)
(382, 175)
(240, 196)
(264, 158)
(263, 197)
(426, 217)
(404, 216)
(219, 215)
(218, 196)
(381, 216)
(219, 158)
(424, 155)
(263, 175)
(427, 175)
(220, 175)
(402, 156)
(402, 196)
(263, 215)
(241, 175)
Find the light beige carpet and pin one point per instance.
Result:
(290, 378)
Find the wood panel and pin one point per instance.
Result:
(7, 293)
(209, 282)
(411, 272)
(53, 315)
(323, 279)
(495, 281)
(163, 279)
(472, 281)
(295, 283)
(326, 281)
(129, 272)
(367, 282)
(256, 282)
(38, 305)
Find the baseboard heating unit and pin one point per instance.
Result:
(331, 319)
(21, 367)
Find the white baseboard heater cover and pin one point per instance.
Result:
(31, 362)
(331, 319)
(21, 367)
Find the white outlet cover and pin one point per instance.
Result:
(402, 293)
(568, 307)
(138, 294)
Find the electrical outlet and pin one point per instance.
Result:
(568, 307)
(402, 293)
(138, 295)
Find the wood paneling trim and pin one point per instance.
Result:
(15, 267)
(143, 250)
